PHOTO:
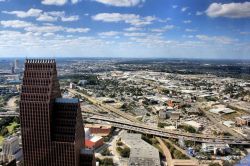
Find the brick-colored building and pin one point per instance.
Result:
(243, 121)
(52, 127)
(101, 130)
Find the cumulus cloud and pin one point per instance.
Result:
(40, 29)
(135, 34)
(174, 6)
(132, 19)
(15, 24)
(199, 13)
(109, 33)
(217, 39)
(121, 3)
(183, 9)
(80, 30)
(70, 18)
(54, 2)
(23, 14)
(130, 29)
(75, 1)
(190, 30)
(44, 16)
(163, 29)
(47, 18)
(58, 2)
(229, 10)
(187, 21)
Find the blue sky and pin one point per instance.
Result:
(125, 28)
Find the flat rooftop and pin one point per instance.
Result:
(141, 153)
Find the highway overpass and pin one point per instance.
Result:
(118, 123)
(8, 114)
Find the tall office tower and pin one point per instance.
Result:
(52, 127)
(16, 64)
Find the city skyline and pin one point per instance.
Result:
(125, 28)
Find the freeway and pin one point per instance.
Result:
(104, 106)
(139, 127)
(8, 114)
(165, 133)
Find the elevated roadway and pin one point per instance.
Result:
(8, 114)
(138, 127)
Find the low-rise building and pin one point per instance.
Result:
(100, 130)
(72, 85)
(229, 123)
(215, 148)
(11, 151)
(243, 121)
(195, 125)
(162, 114)
(92, 141)
(175, 115)
(221, 110)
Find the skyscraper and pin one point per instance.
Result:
(52, 127)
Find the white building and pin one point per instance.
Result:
(194, 124)
(162, 114)
(214, 147)
(11, 149)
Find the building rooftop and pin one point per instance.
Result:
(141, 153)
(67, 100)
(221, 110)
(40, 61)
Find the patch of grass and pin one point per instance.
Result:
(1, 139)
(11, 127)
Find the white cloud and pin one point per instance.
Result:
(135, 34)
(163, 29)
(183, 9)
(2, 0)
(80, 30)
(121, 3)
(44, 29)
(70, 18)
(54, 2)
(217, 39)
(229, 10)
(22, 14)
(164, 20)
(40, 29)
(187, 21)
(132, 19)
(190, 30)
(75, 1)
(15, 24)
(199, 13)
(109, 33)
(245, 33)
(174, 6)
(48, 34)
(130, 29)
(46, 18)
(56, 13)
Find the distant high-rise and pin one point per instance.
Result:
(16, 64)
(52, 127)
